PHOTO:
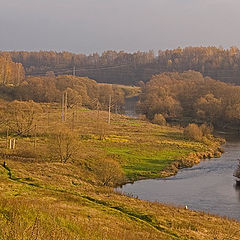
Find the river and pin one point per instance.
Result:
(208, 186)
(130, 106)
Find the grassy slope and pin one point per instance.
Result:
(50, 200)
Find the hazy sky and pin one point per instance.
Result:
(96, 25)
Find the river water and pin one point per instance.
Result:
(130, 106)
(208, 186)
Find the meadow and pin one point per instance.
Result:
(57, 183)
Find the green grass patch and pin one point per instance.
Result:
(147, 163)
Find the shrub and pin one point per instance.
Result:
(142, 117)
(206, 129)
(109, 172)
(159, 119)
(193, 131)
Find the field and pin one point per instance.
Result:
(44, 197)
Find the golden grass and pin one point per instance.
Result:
(44, 199)
(56, 200)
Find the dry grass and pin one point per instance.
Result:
(44, 199)
(53, 204)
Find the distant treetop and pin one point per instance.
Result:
(130, 68)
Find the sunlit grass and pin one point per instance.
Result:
(45, 199)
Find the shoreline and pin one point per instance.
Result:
(212, 177)
(189, 161)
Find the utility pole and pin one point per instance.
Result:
(48, 117)
(63, 107)
(73, 119)
(18, 74)
(74, 71)
(5, 76)
(109, 109)
(35, 136)
(97, 110)
(2, 74)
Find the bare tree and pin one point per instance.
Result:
(64, 146)
(19, 117)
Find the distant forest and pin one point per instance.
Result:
(130, 68)
(81, 91)
(181, 96)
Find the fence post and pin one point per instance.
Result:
(10, 143)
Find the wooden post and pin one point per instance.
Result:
(13, 143)
(10, 143)
(7, 139)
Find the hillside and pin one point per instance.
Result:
(46, 195)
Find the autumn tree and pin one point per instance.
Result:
(208, 108)
(188, 97)
(159, 119)
(73, 98)
(129, 68)
(20, 117)
(10, 73)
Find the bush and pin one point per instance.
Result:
(206, 129)
(193, 131)
(142, 117)
(159, 119)
(109, 172)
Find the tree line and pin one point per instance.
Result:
(81, 91)
(130, 68)
(190, 97)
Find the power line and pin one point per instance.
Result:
(74, 70)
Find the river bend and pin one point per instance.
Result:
(208, 186)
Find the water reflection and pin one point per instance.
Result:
(237, 189)
(209, 186)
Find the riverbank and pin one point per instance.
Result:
(57, 201)
(161, 151)
(209, 186)
(214, 151)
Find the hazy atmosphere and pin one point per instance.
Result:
(94, 26)
(119, 120)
